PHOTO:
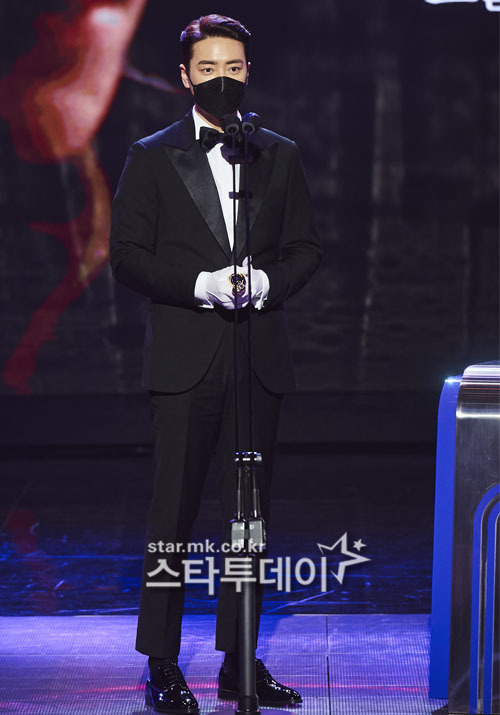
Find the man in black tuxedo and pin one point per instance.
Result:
(172, 240)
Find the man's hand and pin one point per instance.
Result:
(260, 284)
(219, 288)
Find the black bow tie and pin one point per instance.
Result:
(210, 137)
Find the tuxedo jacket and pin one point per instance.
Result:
(167, 226)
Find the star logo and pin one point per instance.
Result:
(355, 558)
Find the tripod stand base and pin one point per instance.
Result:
(238, 711)
(247, 706)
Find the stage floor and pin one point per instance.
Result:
(342, 664)
(73, 533)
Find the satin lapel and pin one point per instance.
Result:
(259, 174)
(194, 169)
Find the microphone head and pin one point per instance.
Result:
(251, 122)
(231, 124)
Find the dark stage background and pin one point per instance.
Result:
(395, 108)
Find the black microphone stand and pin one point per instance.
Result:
(248, 533)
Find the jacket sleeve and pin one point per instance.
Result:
(134, 216)
(300, 246)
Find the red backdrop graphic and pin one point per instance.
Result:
(54, 99)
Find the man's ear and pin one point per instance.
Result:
(185, 77)
(248, 72)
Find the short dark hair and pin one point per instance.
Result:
(212, 26)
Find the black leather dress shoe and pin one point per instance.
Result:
(270, 692)
(167, 691)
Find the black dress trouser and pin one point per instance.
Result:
(187, 428)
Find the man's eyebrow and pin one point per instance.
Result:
(214, 62)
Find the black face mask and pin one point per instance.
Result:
(219, 96)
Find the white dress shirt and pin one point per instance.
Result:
(222, 172)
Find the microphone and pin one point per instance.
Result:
(239, 131)
(250, 123)
(231, 125)
(234, 127)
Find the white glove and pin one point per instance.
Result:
(260, 284)
(219, 288)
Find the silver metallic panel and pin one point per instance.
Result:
(473, 686)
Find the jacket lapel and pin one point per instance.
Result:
(192, 166)
(259, 174)
(194, 170)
